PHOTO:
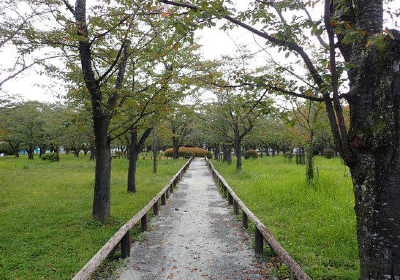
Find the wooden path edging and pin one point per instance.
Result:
(122, 236)
(261, 232)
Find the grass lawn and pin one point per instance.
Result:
(46, 230)
(315, 224)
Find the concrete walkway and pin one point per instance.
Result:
(195, 236)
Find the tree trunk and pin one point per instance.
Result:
(175, 147)
(135, 147)
(155, 151)
(31, 152)
(76, 152)
(133, 158)
(16, 150)
(216, 152)
(310, 166)
(92, 154)
(375, 167)
(42, 151)
(227, 153)
(238, 153)
(101, 199)
(267, 152)
(374, 143)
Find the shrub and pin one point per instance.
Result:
(328, 153)
(52, 157)
(316, 152)
(189, 155)
(5, 149)
(250, 154)
(198, 152)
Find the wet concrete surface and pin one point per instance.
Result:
(195, 236)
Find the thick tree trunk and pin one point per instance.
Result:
(16, 153)
(175, 147)
(238, 153)
(310, 165)
(101, 199)
(375, 167)
(377, 195)
(76, 152)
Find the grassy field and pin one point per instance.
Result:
(315, 224)
(46, 231)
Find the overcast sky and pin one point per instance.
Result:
(215, 43)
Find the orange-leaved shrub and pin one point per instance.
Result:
(184, 151)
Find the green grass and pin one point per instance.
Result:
(315, 224)
(46, 230)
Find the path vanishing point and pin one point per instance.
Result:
(195, 236)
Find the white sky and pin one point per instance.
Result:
(216, 43)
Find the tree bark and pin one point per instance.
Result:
(374, 141)
(16, 149)
(310, 165)
(133, 158)
(238, 153)
(155, 148)
(375, 169)
(227, 153)
(101, 199)
(175, 147)
(92, 154)
(42, 151)
(216, 152)
(31, 152)
(135, 146)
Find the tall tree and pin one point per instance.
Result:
(100, 42)
(307, 116)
